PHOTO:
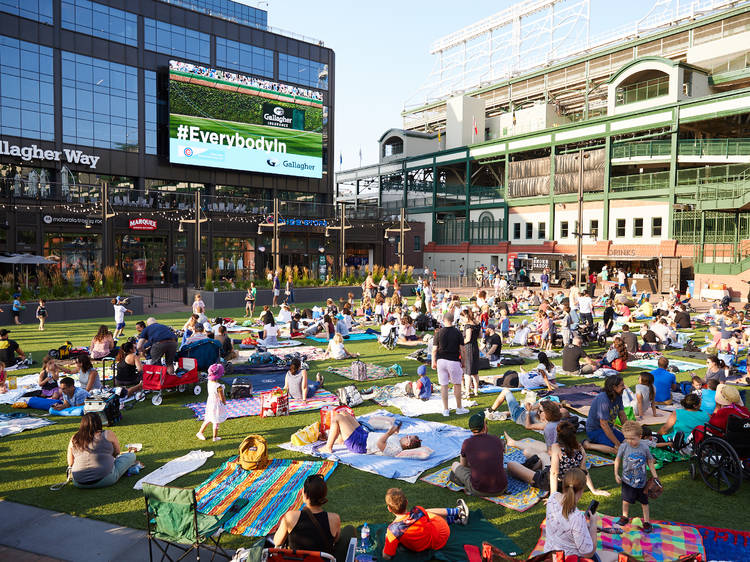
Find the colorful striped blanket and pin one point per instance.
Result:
(243, 407)
(664, 543)
(270, 492)
(374, 372)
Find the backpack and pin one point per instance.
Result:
(241, 390)
(262, 359)
(62, 352)
(253, 453)
(350, 396)
(107, 405)
(359, 371)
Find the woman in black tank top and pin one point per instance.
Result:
(312, 528)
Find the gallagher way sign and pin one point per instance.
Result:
(33, 152)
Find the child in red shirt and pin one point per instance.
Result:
(419, 529)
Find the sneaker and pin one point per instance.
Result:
(460, 411)
(446, 413)
(622, 521)
(463, 512)
(200, 436)
(217, 438)
(647, 527)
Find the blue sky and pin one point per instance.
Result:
(382, 53)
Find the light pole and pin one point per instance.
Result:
(343, 227)
(402, 228)
(275, 224)
(197, 222)
(106, 215)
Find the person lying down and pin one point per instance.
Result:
(346, 430)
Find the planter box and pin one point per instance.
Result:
(73, 309)
(236, 299)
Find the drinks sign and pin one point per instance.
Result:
(142, 224)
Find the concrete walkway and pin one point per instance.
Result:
(41, 535)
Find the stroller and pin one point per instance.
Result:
(590, 333)
(389, 341)
(205, 352)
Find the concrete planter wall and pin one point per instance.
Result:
(74, 309)
(236, 299)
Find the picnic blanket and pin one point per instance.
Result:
(692, 354)
(270, 492)
(310, 352)
(262, 382)
(351, 338)
(647, 419)
(664, 543)
(653, 364)
(722, 544)
(477, 531)
(519, 495)
(243, 407)
(18, 422)
(14, 394)
(445, 441)
(374, 372)
(578, 396)
(416, 407)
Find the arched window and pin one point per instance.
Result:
(485, 225)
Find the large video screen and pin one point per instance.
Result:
(226, 120)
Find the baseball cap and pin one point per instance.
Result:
(476, 421)
(422, 370)
(4, 332)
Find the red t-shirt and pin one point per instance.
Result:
(721, 416)
(484, 453)
(418, 532)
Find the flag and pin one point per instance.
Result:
(438, 136)
(341, 158)
(360, 156)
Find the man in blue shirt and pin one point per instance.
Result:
(664, 382)
(162, 341)
(606, 408)
(73, 398)
(545, 281)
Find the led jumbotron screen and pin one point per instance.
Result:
(227, 120)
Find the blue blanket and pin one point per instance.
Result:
(351, 337)
(445, 440)
(261, 382)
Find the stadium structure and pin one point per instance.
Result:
(535, 144)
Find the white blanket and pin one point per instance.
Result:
(174, 469)
(414, 407)
(17, 425)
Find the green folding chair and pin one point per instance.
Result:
(172, 517)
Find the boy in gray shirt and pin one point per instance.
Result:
(636, 460)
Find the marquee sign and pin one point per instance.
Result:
(142, 224)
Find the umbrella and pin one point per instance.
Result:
(25, 259)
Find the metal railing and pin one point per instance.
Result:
(640, 182)
(482, 193)
(647, 149)
(685, 147)
(453, 231)
(642, 91)
(712, 175)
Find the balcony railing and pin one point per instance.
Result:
(686, 147)
(453, 231)
(648, 149)
(640, 182)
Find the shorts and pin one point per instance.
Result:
(632, 495)
(545, 286)
(119, 325)
(275, 292)
(598, 436)
(357, 441)
(166, 349)
(461, 475)
(16, 313)
(449, 371)
(411, 338)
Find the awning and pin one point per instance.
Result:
(618, 258)
(25, 259)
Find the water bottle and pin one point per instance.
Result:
(365, 538)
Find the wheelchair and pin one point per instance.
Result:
(722, 458)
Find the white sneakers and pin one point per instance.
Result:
(460, 411)
(496, 416)
(446, 413)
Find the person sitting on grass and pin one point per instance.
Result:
(605, 409)
(88, 376)
(312, 528)
(336, 349)
(419, 529)
(94, 455)
(480, 468)
(347, 430)
(103, 344)
(550, 415)
(49, 377)
(684, 419)
(636, 460)
(296, 382)
(72, 398)
(129, 369)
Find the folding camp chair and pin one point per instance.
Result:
(172, 517)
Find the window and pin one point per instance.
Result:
(620, 229)
(594, 228)
(226, 9)
(541, 230)
(516, 231)
(529, 231)
(26, 237)
(641, 91)
(564, 229)
(417, 243)
(74, 251)
(245, 58)
(177, 41)
(99, 103)
(656, 223)
(39, 10)
(27, 105)
(638, 228)
(150, 117)
(302, 71)
(102, 21)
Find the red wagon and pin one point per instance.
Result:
(156, 378)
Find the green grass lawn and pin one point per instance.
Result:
(30, 462)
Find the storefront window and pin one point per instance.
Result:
(79, 252)
(26, 237)
(233, 258)
(139, 257)
(181, 241)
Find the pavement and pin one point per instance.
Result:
(30, 533)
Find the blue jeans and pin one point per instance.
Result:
(598, 436)
(122, 464)
(312, 388)
(517, 412)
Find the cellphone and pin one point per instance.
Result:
(398, 423)
(593, 506)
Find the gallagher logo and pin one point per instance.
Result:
(278, 111)
(188, 151)
(142, 224)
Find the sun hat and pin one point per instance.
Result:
(215, 372)
(726, 394)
